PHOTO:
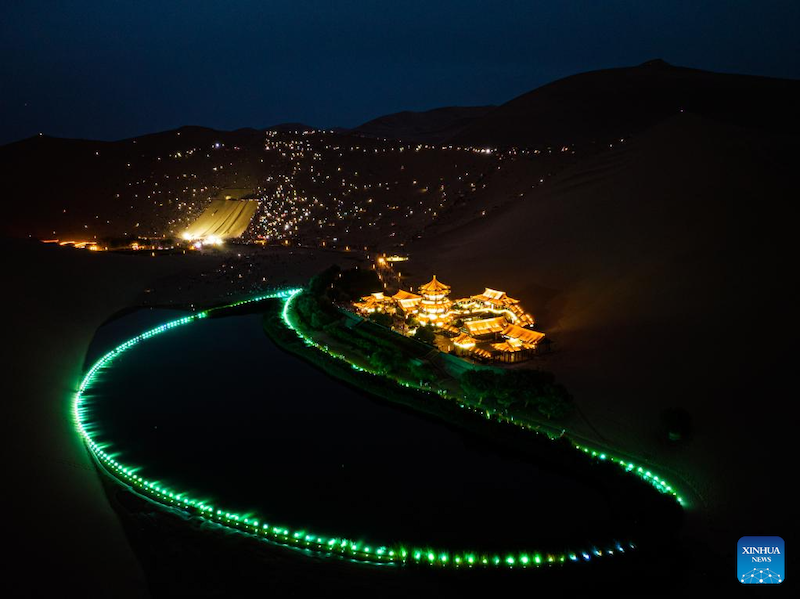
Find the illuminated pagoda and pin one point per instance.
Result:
(434, 307)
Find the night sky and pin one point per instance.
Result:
(109, 69)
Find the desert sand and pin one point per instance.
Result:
(661, 269)
(64, 532)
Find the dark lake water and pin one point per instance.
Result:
(216, 409)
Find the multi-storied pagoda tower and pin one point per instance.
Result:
(434, 306)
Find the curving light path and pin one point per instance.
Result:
(391, 554)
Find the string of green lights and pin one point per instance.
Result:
(391, 554)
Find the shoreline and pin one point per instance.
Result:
(539, 447)
(530, 424)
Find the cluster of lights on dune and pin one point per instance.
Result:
(315, 192)
(392, 554)
(310, 185)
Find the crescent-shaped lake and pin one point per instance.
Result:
(218, 410)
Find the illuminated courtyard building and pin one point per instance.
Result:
(407, 302)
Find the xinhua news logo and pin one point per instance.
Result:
(760, 560)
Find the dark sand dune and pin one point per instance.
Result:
(82, 189)
(662, 271)
(66, 536)
(64, 533)
(290, 127)
(612, 103)
(428, 126)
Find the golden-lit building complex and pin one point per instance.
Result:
(490, 326)
(434, 307)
